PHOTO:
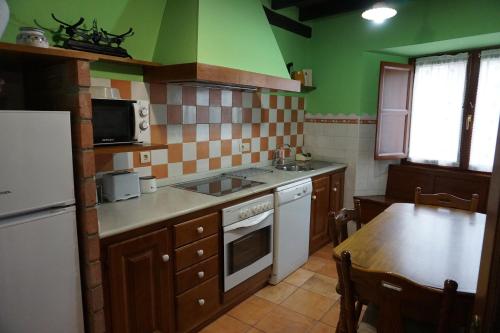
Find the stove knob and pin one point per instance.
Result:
(242, 215)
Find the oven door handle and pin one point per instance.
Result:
(250, 222)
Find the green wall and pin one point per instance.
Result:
(346, 50)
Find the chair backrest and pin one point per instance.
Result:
(396, 298)
(446, 200)
(337, 222)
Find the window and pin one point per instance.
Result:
(487, 113)
(453, 111)
(436, 120)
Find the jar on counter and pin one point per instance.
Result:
(32, 36)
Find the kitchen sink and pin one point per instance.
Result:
(302, 166)
(294, 167)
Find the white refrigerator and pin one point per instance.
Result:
(40, 289)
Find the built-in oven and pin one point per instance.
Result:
(248, 239)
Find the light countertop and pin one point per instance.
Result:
(169, 202)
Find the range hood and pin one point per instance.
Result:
(223, 43)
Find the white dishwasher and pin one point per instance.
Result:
(292, 206)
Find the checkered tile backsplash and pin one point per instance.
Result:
(204, 128)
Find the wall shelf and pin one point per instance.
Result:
(101, 150)
(16, 53)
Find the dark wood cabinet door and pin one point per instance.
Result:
(140, 284)
(337, 191)
(320, 203)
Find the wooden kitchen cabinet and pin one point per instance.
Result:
(337, 191)
(328, 194)
(141, 284)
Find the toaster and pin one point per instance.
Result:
(120, 185)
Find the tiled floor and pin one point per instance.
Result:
(305, 301)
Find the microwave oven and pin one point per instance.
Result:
(118, 121)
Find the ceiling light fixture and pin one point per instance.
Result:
(379, 12)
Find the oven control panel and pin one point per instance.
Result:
(247, 209)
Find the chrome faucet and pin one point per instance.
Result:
(279, 156)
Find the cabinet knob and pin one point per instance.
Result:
(201, 274)
(200, 253)
(200, 230)
(165, 258)
(334, 189)
(201, 302)
(314, 197)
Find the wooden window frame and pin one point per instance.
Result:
(469, 102)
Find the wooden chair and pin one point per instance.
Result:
(446, 200)
(395, 298)
(337, 222)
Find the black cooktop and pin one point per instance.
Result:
(218, 185)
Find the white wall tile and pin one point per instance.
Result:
(226, 161)
(122, 161)
(255, 146)
(226, 131)
(288, 116)
(202, 96)
(189, 151)
(281, 102)
(189, 114)
(214, 149)
(174, 134)
(272, 143)
(264, 156)
(295, 102)
(214, 114)
(100, 82)
(143, 171)
(202, 132)
(174, 95)
(264, 100)
(175, 169)
(247, 99)
(256, 113)
(139, 90)
(235, 146)
(280, 129)
(202, 165)
(246, 131)
(159, 156)
(246, 158)
(226, 98)
(273, 115)
(237, 115)
(293, 129)
(158, 114)
(264, 130)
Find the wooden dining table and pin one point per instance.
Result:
(426, 244)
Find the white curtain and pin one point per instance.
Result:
(436, 119)
(487, 112)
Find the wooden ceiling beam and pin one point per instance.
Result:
(332, 8)
(280, 4)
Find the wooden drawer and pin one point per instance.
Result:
(197, 305)
(198, 251)
(193, 230)
(196, 274)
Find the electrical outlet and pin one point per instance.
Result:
(245, 147)
(145, 157)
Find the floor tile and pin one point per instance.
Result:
(298, 277)
(331, 317)
(284, 320)
(226, 324)
(254, 330)
(322, 285)
(278, 293)
(329, 269)
(252, 310)
(315, 263)
(325, 252)
(322, 328)
(308, 303)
